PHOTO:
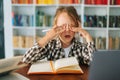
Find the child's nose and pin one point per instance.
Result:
(67, 27)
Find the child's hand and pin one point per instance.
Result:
(55, 31)
(82, 32)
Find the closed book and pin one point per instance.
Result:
(29, 41)
(110, 43)
(87, 1)
(118, 2)
(98, 2)
(31, 20)
(21, 41)
(15, 41)
(117, 42)
(112, 2)
(105, 2)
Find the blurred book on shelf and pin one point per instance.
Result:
(38, 38)
(45, 1)
(22, 20)
(15, 41)
(114, 2)
(110, 42)
(58, 1)
(22, 1)
(114, 21)
(23, 41)
(29, 41)
(114, 43)
(117, 43)
(100, 42)
(95, 21)
(96, 2)
(43, 19)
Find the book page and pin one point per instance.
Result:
(70, 69)
(40, 67)
(65, 62)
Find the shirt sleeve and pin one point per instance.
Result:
(87, 52)
(34, 53)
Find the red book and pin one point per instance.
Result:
(87, 1)
(105, 2)
(30, 1)
(98, 2)
(92, 1)
(118, 2)
(76, 1)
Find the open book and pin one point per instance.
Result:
(9, 64)
(65, 65)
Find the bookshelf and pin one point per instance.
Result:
(37, 16)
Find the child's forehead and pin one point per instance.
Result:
(63, 20)
(70, 25)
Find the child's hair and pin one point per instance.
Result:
(71, 11)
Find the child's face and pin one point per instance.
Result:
(66, 36)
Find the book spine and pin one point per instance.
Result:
(112, 2)
(100, 42)
(117, 42)
(15, 41)
(105, 2)
(110, 42)
(117, 2)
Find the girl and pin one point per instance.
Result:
(60, 42)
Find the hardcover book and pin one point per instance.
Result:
(60, 66)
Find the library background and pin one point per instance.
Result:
(25, 20)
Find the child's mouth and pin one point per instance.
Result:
(67, 36)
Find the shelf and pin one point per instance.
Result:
(23, 49)
(40, 27)
(94, 28)
(19, 5)
(117, 29)
(22, 27)
(36, 29)
(116, 6)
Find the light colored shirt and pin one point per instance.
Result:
(67, 50)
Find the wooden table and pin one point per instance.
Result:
(84, 76)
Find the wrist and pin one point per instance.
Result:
(42, 42)
(89, 38)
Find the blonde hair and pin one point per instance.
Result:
(71, 11)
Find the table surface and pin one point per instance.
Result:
(84, 76)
